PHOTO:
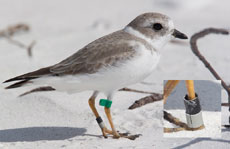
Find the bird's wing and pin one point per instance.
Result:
(103, 52)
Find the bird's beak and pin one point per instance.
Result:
(178, 34)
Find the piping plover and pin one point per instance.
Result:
(109, 63)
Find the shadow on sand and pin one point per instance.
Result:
(197, 140)
(31, 134)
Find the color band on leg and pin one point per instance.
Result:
(100, 122)
(105, 102)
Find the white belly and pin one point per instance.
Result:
(128, 73)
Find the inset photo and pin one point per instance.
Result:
(192, 108)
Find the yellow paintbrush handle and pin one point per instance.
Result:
(190, 88)
(169, 86)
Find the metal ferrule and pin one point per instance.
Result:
(192, 106)
(193, 112)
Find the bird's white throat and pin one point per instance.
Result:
(157, 43)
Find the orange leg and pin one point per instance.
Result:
(93, 108)
(114, 132)
(101, 124)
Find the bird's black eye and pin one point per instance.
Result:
(157, 26)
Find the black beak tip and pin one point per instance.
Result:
(180, 35)
(184, 37)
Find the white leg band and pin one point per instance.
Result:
(102, 125)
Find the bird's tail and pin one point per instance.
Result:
(26, 78)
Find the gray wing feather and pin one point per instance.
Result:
(101, 53)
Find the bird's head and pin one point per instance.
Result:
(155, 28)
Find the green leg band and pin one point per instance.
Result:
(106, 103)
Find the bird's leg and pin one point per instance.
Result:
(114, 132)
(102, 125)
(98, 118)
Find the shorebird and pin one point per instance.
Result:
(109, 63)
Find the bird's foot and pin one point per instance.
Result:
(106, 131)
(117, 134)
(128, 136)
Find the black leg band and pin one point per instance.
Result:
(99, 120)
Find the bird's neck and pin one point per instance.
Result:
(155, 43)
